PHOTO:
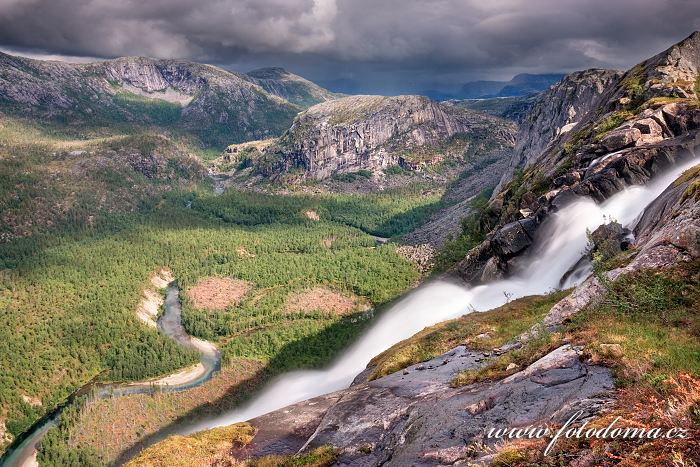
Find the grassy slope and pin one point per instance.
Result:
(214, 448)
(496, 327)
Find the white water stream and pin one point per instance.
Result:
(560, 244)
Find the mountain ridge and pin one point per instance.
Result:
(215, 106)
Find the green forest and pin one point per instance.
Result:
(69, 288)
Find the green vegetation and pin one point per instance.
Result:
(531, 182)
(204, 448)
(474, 229)
(502, 366)
(323, 456)
(633, 85)
(575, 141)
(50, 182)
(646, 328)
(82, 233)
(154, 110)
(53, 453)
(70, 300)
(511, 108)
(390, 213)
(692, 176)
(478, 330)
(352, 176)
(611, 122)
(213, 447)
(396, 170)
(653, 316)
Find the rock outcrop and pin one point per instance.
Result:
(413, 417)
(594, 140)
(375, 132)
(555, 112)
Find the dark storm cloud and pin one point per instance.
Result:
(407, 44)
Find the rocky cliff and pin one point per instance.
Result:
(216, 106)
(624, 130)
(376, 132)
(555, 112)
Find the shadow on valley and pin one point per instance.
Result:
(74, 291)
(312, 352)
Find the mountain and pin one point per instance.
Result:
(593, 134)
(511, 108)
(291, 87)
(214, 106)
(437, 397)
(481, 89)
(373, 133)
(520, 85)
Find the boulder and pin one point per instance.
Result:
(610, 238)
(513, 238)
(492, 270)
(471, 268)
(591, 291)
(621, 138)
(680, 118)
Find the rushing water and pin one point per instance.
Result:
(561, 242)
(170, 325)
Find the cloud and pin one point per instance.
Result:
(167, 29)
(379, 42)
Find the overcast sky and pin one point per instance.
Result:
(382, 46)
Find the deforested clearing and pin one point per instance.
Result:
(323, 299)
(216, 293)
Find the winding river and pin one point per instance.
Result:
(23, 452)
(560, 244)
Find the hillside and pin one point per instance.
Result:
(510, 108)
(211, 106)
(293, 88)
(375, 133)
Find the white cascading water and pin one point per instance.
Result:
(561, 242)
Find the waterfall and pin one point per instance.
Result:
(560, 243)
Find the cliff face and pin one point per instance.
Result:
(214, 105)
(555, 112)
(622, 131)
(375, 132)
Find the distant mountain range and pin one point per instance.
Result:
(521, 85)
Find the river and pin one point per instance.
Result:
(561, 242)
(23, 453)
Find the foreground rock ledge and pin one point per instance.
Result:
(413, 417)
